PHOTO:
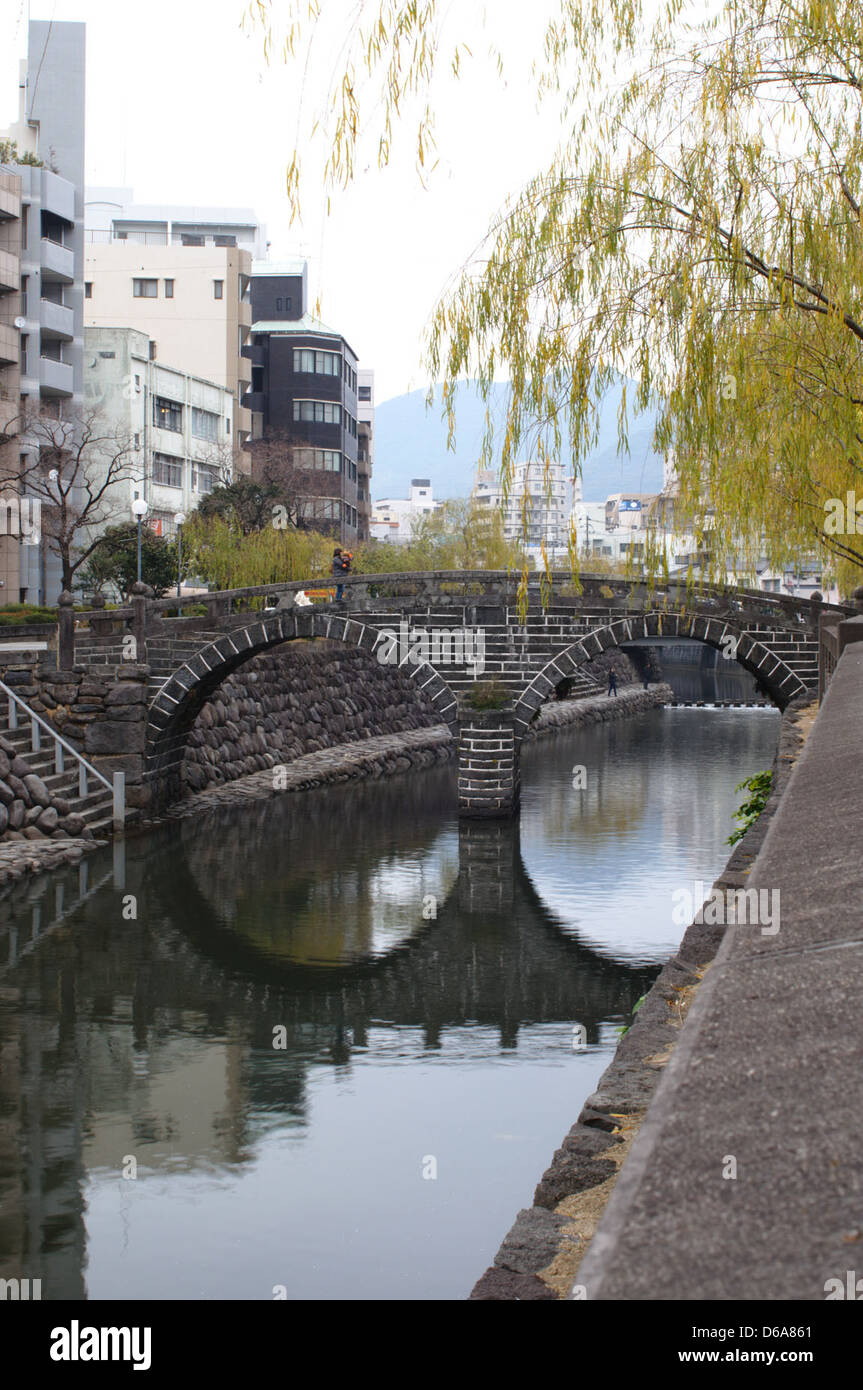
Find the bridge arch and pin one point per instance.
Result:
(780, 681)
(181, 698)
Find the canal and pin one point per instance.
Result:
(322, 1045)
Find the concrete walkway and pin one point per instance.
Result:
(766, 1081)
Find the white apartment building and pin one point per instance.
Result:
(393, 517)
(365, 449)
(180, 425)
(548, 514)
(181, 275)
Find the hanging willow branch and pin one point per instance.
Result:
(699, 232)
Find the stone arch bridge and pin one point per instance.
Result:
(453, 632)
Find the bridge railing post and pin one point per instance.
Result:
(141, 595)
(65, 631)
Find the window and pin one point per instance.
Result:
(167, 470)
(167, 415)
(218, 289)
(287, 301)
(324, 363)
(228, 425)
(328, 460)
(350, 424)
(162, 523)
(188, 240)
(203, 478)
(88, 289)
(205, 425)
(326, 509)
(365, 393)
(224, 241)
(169, 289)
(322, 412)
(145, 289)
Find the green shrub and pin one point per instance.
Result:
(759, 788)
(488, 695)
(17, 614)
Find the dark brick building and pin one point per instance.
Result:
(304, 398)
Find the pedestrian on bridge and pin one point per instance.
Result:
(338, 570)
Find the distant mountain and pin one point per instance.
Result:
(410, 442)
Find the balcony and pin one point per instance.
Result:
(10, 273)
(56, 321)
(254, 400)
(10, 201)
(55, 378)
(58, 196)
(256, 354)
(10, 345)
(58, 262)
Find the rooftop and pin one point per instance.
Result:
(287, 327)
(294, 267)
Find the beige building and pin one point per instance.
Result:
(192, 302)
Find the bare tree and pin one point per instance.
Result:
(285, 468)
(76, 463)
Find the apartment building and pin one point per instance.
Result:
(180, 275)
(42, 226)
(365, 449)
(393, 517)
(547, 512)
(180, 426)
(304, 396)
(10, 373)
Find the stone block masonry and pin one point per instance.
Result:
(299, 699)
(488, 764)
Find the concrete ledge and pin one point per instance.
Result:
(767, 1072)
(582, 1175)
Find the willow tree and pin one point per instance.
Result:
(698, 231)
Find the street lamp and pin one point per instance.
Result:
(139, 510)
(179, 518)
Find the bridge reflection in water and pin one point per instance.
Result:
(359, 925)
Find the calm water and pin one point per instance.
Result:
(425, 980)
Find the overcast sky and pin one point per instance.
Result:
(183, 108)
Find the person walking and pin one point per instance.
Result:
(338, 571)
(612, 683)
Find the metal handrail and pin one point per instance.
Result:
(117, 784)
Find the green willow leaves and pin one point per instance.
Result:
(698, 231)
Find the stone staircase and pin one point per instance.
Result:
(95, 809)
(505, 655)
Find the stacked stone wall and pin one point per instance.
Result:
(297, 699)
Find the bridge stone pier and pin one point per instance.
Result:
(486, 659)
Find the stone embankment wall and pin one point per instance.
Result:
(299, 699)
(597, 709)
(102, 713)
(28, 810)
